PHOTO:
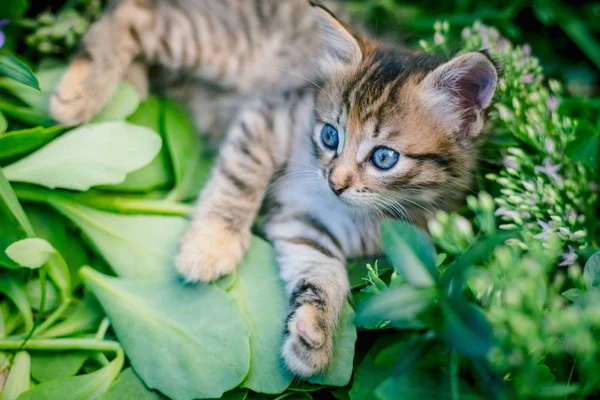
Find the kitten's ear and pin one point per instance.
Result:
(341, 45)
(460, 90)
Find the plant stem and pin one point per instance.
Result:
(44, 326)
(102, 328)
(103, 201)
(61, 345)
(454, 376)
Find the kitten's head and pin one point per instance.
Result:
(397, 129)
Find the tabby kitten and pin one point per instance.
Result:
(356, 131)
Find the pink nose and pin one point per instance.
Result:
(338, 187)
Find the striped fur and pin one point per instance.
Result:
(267, 75)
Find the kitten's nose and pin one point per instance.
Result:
(338, 187)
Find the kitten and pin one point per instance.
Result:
(356, 130)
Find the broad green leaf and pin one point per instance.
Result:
(157, 174)
(586, 146)
(123, 103)
(24, 114)
(591, 271)
(401, 306)
(15, 291)
(16, 70)
(464, 327)
(261, 302)
(31, 252)
(85, 318)
(136, 246)
(410, 252)
(18, 377)
(37, 99)
(82, 387)
(405, 354)
(95, 154)
(129, 386)
(190, 170)
(48, 366)
(3, 123)
(195, 333)
(235, 394)
(33, 288)
(339, 371)
(369, 375)
(18, 143)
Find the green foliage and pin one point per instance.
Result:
(16, 70)
(494, 304)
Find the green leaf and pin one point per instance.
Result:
(85, 318)
(91, 155)
(369, 375)
(49, 366)
(204, 344)
(76, 255)
(33, 287)
(18, 143)
(480, 251)
(572, 294)
(18, 377)
(410, 252)
(81, 387)
(14, 222)
(586, 146)
(339, 371)
(15, 291)
(129, 386)
(465, 328)
(136, 246)
(189, 169)
(15, 69)
(157, 174)
(401, 306)
(235, 394)
(122, 104)
(37, 99)
(27, 115)
(261, 302)
(591, 271)
(3, 124)
(30, 253)
(421, 384)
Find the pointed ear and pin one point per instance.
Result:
(341, 47)
(460, 90)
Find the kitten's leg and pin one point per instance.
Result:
(219, 233)
(313, 268)
(107, 52)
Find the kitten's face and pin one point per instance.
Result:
(396, 130)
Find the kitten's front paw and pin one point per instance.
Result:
(209, 250)
(308, 344)
(79, 94)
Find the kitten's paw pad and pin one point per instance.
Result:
(308, 345)
(77, 97)
(207, 253)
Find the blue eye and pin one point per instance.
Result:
(384, 158)
(329, 137)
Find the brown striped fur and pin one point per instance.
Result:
(267, 75)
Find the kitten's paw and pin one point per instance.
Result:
(209, 250)
(80, 94)
(308, 344)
